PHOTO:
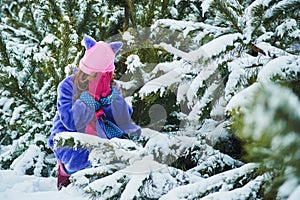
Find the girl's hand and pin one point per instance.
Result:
(100, 85)
(83, 114)
(107, 100)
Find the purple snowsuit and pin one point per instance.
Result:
(74, 116)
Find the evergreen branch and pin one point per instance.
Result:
(86, 16)
(26, 96)
(214, 162)
(34, 28)
(31, 73)
(55, 12)
(3, 51)
(164, 7)
(256, 49)
(126, 151)
(254, 66)
(16, 87)
(140, 177)
(249, 191)
(17, 32)
(232, 178)
(103, 151)
(56, 8)
(17, 23)
(289, 7)
(224, 9)
(91, 174)
(110, 189)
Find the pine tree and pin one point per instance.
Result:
(269, 125)
(200, 78)
(207, 77)
(40, 45)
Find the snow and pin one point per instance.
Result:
(288, 187)
(107, 186)
(219, 45)
(126, 85)
(27, 159)
(49, 39)
(185, 26)
(173, 12)
(15, 186)
(128, 165)
(287, 25)
(206, 51)
(295, 195)
(282, 67)
(198, 82)
(16, 114)
(192, 191)
(46, 86)
(264, 112)
(6, 103)
(284, 141)
(200, 105)
(128, 37)
(166, 66)
(238, 77)
(131, 189)
(181, 91)
(271, 51)
(160, 83)
(242, 98)
(133, 62)
(269, 12)
(244, 192)
(139, 172)
(205, 6)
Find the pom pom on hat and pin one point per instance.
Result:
(99, 56)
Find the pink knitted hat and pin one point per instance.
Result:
(99, 56)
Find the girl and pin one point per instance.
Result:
(89, 102)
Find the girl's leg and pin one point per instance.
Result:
(62, 177)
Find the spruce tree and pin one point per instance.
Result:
(40, 44)
(209, 74)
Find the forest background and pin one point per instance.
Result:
(213, 83)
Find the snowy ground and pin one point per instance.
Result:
(23, 187)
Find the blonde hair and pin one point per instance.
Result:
(81, 82)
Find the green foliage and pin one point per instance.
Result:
(269, 125)
(40, 45)
(145, 111)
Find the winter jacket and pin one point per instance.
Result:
(74, 116)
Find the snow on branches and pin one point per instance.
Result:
(142, 169)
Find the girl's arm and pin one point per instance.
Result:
(120, 113)
(73, 160)
(65, 104)
(73, 116)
